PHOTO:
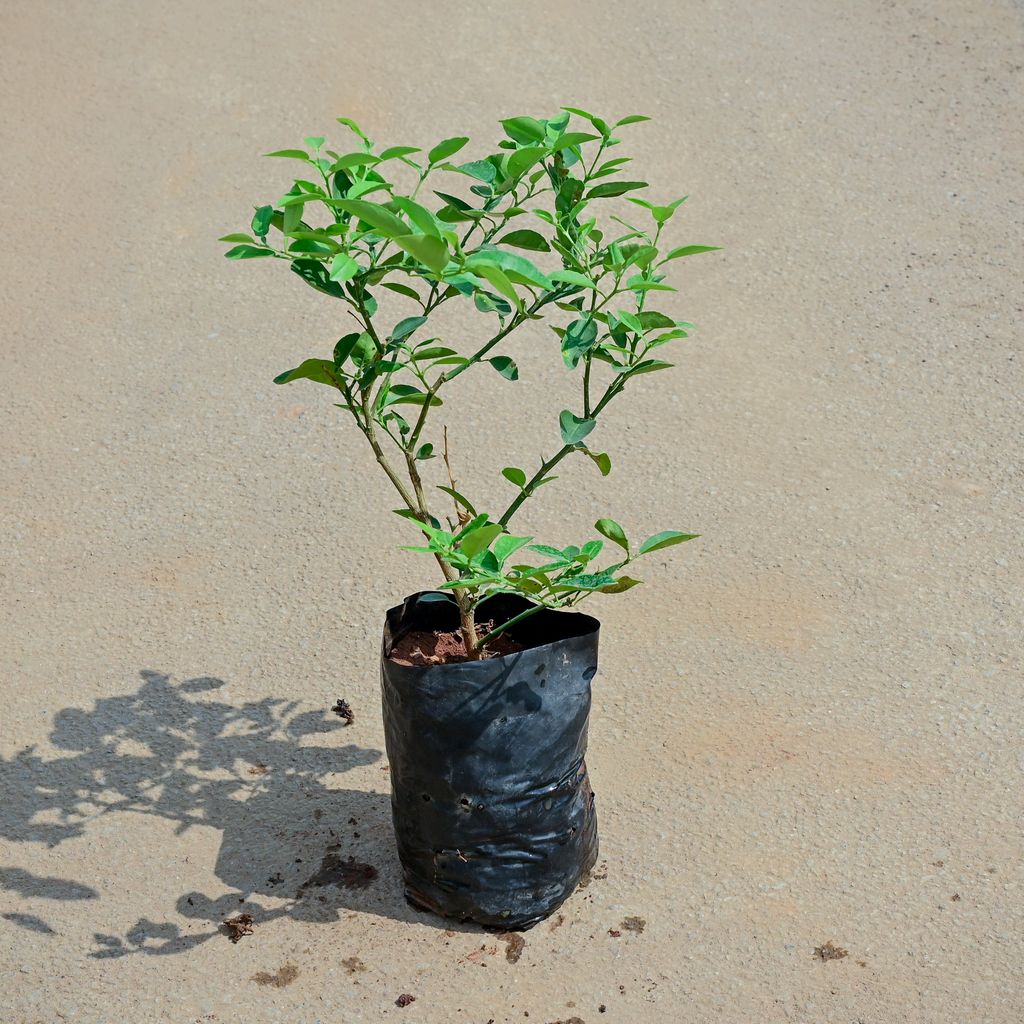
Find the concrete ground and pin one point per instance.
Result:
(807, 726)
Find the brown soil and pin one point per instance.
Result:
(284, 976)
(424, 648)
(830, 951)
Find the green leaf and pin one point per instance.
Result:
(261, 221)
(291, 154)
(604, 463)
(238, 236)
(585, 581)
(319, 370)
(350, 160)
(424, 452)
(479, 539)
(574, 429)
(514, 476)
(526, 239)
(380, 219)
(665, 539)
(611, 529)
(447, 148)
(461, 499)
(431, 252)
(482, 170)
(247, 252)
(647, 366)
(689, 250)
(610, 189)
(580, 337)
(343, 348)
(506, 545)
(572, 277)
(572, 139)
(405, 327)
(631, 119)
(596, 121)
(621, 585)
(517, 268)
(506, 366)
(343, 268)
(407, 394)
(523, 129)
(349, 123)
(314, 141)
(523, 159)
(402, 289)
(549, 552)
(392, 152)
(420, 216)
(500, 283)
(315, 275)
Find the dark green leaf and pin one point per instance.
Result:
(463, 501)
(526, 239)
(610, 189)
(580, 337)
(405, 327)
(315, 275)
(402, 289)
(261, 221)
(247, 252)
(425, 452)
(631, 119)
(516, 268)
(514, 476)
(505, 366)
(343, 348)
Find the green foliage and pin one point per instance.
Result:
(357, 227)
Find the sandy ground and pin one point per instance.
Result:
(807, 727)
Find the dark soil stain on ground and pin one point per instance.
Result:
(405, 999)
(830, 951)
(285, 976)
(353, 965)
(514, 944)
(348, 874)
(633, 924)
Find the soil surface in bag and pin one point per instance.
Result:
(493, 811)
(441, 647)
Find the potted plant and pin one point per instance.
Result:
(486, 678)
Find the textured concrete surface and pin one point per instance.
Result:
(807, 726)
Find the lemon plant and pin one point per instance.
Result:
(433, 230)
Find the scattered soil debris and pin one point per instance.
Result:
(514, 944)
(614, 933)
(348, 874)
(569, 1020)
(633, 924)
(557, 923)
(938, 863)
(585, 879)
(343, 710)
(830, 951)
(602, 1008)
(353, 965)
(955, 897)
(284, 976)
(862, 963)
(318, 813)
(275, 879)
(405, 999)
(259, 768)
(238, 926)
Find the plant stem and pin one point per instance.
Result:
(532, 483)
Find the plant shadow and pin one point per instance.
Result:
(292, 846)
